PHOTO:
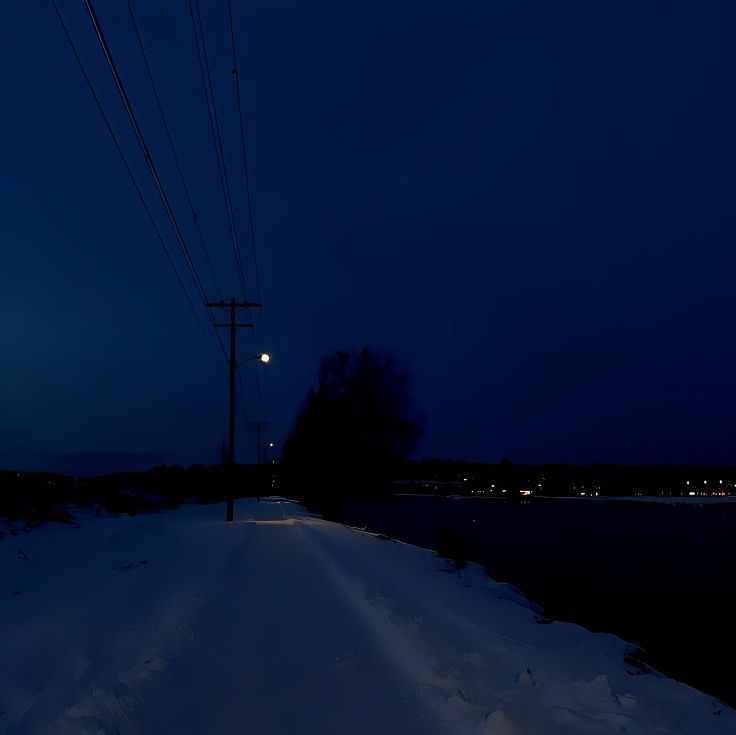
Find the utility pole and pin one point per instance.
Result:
(260, 425)
(232, 307)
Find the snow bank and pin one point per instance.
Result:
(284, 623)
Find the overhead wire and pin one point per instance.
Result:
(126, 164)
(244, 150)
(206, 75)
(125, 99)
(249, 199)
(160, 188)
(174, 153)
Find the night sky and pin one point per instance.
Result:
(530, 203)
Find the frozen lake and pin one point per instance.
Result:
(655, 574)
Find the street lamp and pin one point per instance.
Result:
(263, 357)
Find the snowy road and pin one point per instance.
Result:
(281, 623)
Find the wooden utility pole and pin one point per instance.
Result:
(260, 425)
(232, 307)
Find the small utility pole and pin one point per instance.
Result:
(232, 307)
(260, 425)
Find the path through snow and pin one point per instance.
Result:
(282, 623)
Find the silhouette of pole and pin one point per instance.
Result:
(232, 307)
(233, 370)
(260, 425)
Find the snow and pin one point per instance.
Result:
(286, 623)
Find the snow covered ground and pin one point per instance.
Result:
(283, 623)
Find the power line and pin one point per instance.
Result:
(148, 158)
(144, 147)
(173, 149)
(249, 200)
(236, 77)
(123, 158)
(204, 68)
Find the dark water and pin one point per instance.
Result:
(660, 576)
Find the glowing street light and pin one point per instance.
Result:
(263, 357)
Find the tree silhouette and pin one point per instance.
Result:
(356, 424)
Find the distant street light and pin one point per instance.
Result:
(265, 358)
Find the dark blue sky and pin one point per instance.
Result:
(531, 203)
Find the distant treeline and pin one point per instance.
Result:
(35, 497)
(38, 497)
(452, 476)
